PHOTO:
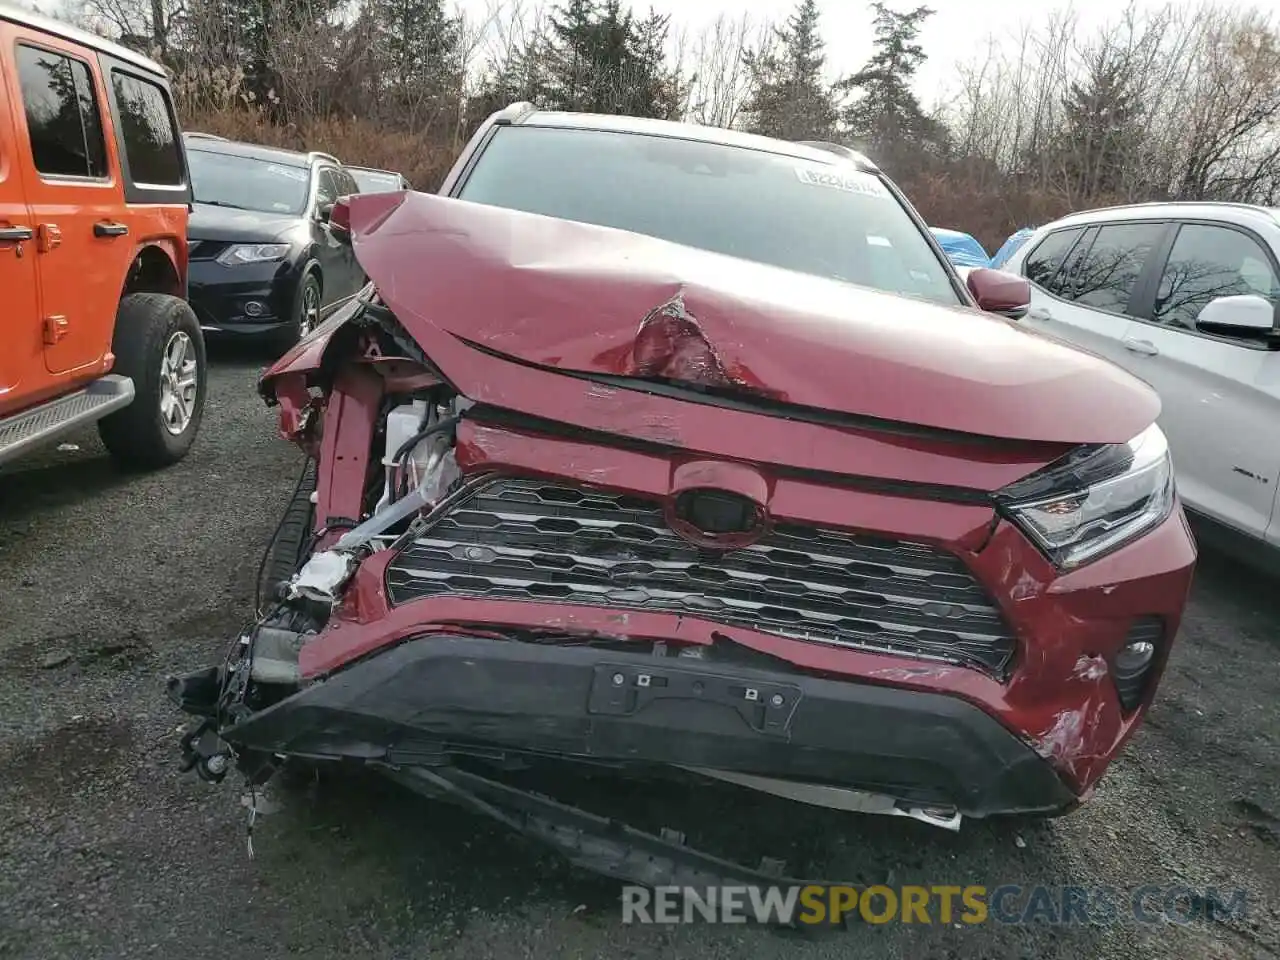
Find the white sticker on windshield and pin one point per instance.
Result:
(850, 181)
(878, 242)
(293, 173)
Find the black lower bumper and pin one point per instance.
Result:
(222, 297)
(427, 698)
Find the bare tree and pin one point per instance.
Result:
(720, 82)
(1202, 85)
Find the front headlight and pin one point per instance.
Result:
(252, 253)
(1095, 500)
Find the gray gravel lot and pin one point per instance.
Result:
(110, 581)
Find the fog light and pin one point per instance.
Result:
(1132, 663)
(253, 308)
(1135, 658)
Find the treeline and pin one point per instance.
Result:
(1181, 102)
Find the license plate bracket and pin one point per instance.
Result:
(624, 689)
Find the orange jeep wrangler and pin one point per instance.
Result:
(94, 197)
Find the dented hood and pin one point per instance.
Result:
(580, 298)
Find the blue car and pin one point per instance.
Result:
(961, 248)
(1011, 246)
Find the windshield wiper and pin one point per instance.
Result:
(222, 203)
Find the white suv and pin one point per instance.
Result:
(1187, 297)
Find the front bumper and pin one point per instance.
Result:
(439, 647)
(436, 697)
(219, 295)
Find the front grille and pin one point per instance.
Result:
(534, 540)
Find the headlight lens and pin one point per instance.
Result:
(252, 253)
(1096, 500)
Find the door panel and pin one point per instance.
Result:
(1101, 287)
(22, 371)
(328, 250)
(356, 279)
(1047, 266)
(1220, 397)
(73, 184)
(337, 260)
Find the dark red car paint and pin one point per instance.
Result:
(492, 296)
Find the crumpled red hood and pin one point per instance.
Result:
(573, 296)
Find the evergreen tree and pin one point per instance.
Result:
(595, 57)
(1101, 115)
(520, 76)
(789, 98)
(885, 118)
(658, 89)
(418, 47)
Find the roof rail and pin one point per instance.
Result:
(199, 135)
(515, 112)
(319, 155)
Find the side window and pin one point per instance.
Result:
(63, 118)
(1106, 276)
(149, 133)
(327, 187)
(347, 185)
(1043, 265)
(1207, 262)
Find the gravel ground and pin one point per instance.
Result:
(109, 581)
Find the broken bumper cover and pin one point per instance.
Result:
(434, 697)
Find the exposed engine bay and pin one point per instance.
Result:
(305, 574)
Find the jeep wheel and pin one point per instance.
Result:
(306, 313)
(158, 345)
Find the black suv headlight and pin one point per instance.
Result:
(1094, 500)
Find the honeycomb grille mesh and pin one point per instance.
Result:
(520, 539)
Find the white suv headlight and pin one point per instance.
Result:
(252, 253)
(1094, 500)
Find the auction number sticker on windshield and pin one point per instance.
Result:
(850, 181)
(290, 172)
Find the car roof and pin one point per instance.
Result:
(1244, 214)
(525, 115)
(239, 148)
(84, 38)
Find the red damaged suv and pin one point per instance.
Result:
(665, 448)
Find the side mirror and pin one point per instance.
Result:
(1237, 316)
(325, 212)
(999, 292)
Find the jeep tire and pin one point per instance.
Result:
(153, 330)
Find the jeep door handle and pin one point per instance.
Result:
(1144, 347)
(15, 234)
(110, 229)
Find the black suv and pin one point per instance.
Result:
(263, 260)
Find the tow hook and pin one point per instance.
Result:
(205, 752)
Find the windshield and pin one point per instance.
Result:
(248, 183)
(371, 181)
(824, 219)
